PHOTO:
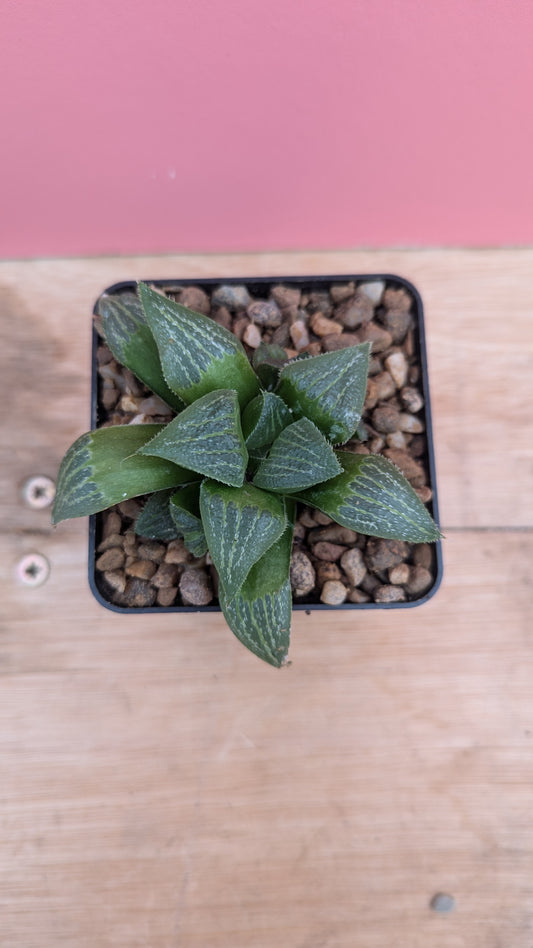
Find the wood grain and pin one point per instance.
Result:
(162, 788)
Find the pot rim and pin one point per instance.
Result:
(268, 281)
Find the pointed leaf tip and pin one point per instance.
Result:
(299, 458)
(197, 355)
(373, 497)
(207, 438)
(329, 389)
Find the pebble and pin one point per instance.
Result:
(133, 386)
(223, 317)
(196, 587)
(323, 326)
(423, 555)
(306, 518)
(112, 523)
(299, 335)
(233, 298)
(396, 439)
(355, 312)
(371, 398)
(374, 290)
(399, 575)
(336, 341)
(334, 534)
(111, 560)
(130, 542)
(167, 575)
(320, 302)
(151, 550)
(286, 296)
(397, 322)
(114, 539)
(333, 593)
(353, 565)
(314, 348)
(341, 291)
(239, 326)
(325, 572)
(324, 550)
(420, 580)
(299, 532)
(376, 445)
(357, 595)
(265, 313)
(385, 386)
(139, 593)
(382, 554)
(386, 418)
(130, 508)
(142, 569)
(193, 297)
(411, 399)
(410, 423)
(153, 405)
(167, 596)
(380, 338)
(413, 471)
(322, 518)
(110, 395)
(397, 298)
(397, 367)
(281, 336)
(115, 579)
(303, 576)
(389, 594)
(130, 403)
(252, 336)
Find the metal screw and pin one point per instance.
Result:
(38, 491)
(442, 902)
(33, 570)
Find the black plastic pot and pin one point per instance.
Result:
(259, 287)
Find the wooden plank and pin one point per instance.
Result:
(480, 346)
(161, 787)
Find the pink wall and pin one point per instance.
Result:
(131, 126)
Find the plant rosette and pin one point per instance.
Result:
(256, 442)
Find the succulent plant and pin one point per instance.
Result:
(249, 441)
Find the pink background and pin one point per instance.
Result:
(176, 125)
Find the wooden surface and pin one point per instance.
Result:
(160, 787)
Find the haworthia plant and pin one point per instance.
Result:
(247, 442)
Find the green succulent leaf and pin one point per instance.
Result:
(131, 341)
(373, 497)
(260, 614)
(268, 360)
(329, 389)
(299, 458)
(263, 420)
(240, 525)
(185, 513)
(198, 356)
(102, 468)
(154, 520)
(207, 438)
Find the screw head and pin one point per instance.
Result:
(442, 902)
(38, 491)
(33, 569)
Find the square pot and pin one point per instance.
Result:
(324, 313)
